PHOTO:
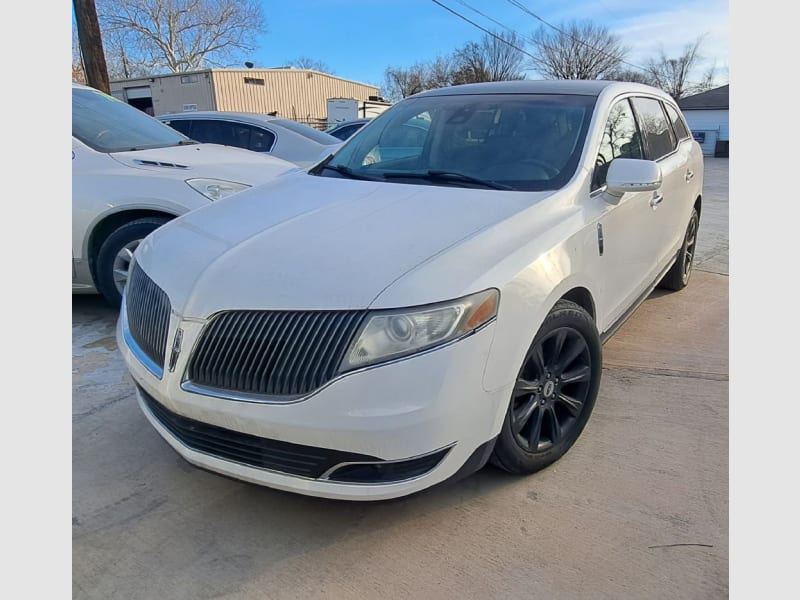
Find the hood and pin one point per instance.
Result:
(207, 160)
(304, 242)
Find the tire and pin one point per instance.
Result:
(677, 277)
(566, 344)
(112, 256)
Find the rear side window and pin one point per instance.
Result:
(621, 139)
(677, 123)
(658, 136)
(309, 132)
(216, 132)
(261, 140)
(183, 126)
(345, 132)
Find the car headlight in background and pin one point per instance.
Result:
(216, 189)
(390, 334)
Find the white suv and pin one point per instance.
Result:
(131, 174)
(427, 299)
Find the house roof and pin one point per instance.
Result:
(716, 99)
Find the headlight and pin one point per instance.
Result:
(216, 189)
(390, 334)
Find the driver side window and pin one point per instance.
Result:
(621, 139)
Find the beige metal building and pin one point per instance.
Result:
(298, 94)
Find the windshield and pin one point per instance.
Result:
(110, 125)
(503, 141)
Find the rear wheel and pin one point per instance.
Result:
(554, 393)
(115, 255)
(677, 277)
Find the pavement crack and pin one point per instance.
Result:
(677, 545)
(669, 372)
(98, 407)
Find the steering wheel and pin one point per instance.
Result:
(600, 160)
(549, 169)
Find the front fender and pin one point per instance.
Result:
(527, 299)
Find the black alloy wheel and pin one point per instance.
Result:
(551, 390)
(677, 277)
(554, 393)
(688, 253)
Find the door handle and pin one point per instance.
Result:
(689, 176)
(656, 200)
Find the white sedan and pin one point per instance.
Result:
(416, 305)
(131, 174)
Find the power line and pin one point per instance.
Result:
(526, 10)
(473, 23)
(485, 16)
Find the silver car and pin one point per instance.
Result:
(286, 139)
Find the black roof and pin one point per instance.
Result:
(715, 99)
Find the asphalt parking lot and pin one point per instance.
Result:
(638, 508)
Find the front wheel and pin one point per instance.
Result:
(554, 393)
(115, 255)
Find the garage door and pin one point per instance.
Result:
(138, 92)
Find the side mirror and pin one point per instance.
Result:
(632, 175)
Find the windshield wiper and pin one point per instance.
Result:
(348, 172)
(321, 165)
(435, 175)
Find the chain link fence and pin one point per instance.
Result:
(321, 124)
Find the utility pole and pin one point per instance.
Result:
(94, 59)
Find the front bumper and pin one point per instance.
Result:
(394, 412)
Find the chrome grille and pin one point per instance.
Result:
(148, 311)
(272, 353)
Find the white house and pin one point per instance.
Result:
(707, 117)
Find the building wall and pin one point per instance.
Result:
(714, 123)
(293, 93)
(171, 93)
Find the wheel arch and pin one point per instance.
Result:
(110, 223)
(528, 311)
(698, 203)
(583, 298)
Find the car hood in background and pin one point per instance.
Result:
(208, 161)
(304, 242)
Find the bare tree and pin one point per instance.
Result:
(401, 83)
(631, 75)
(306, 62)
(181, 35)
(672, 74)
(120, 56)
(439, 72)
(577, 50)
(496, 57)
